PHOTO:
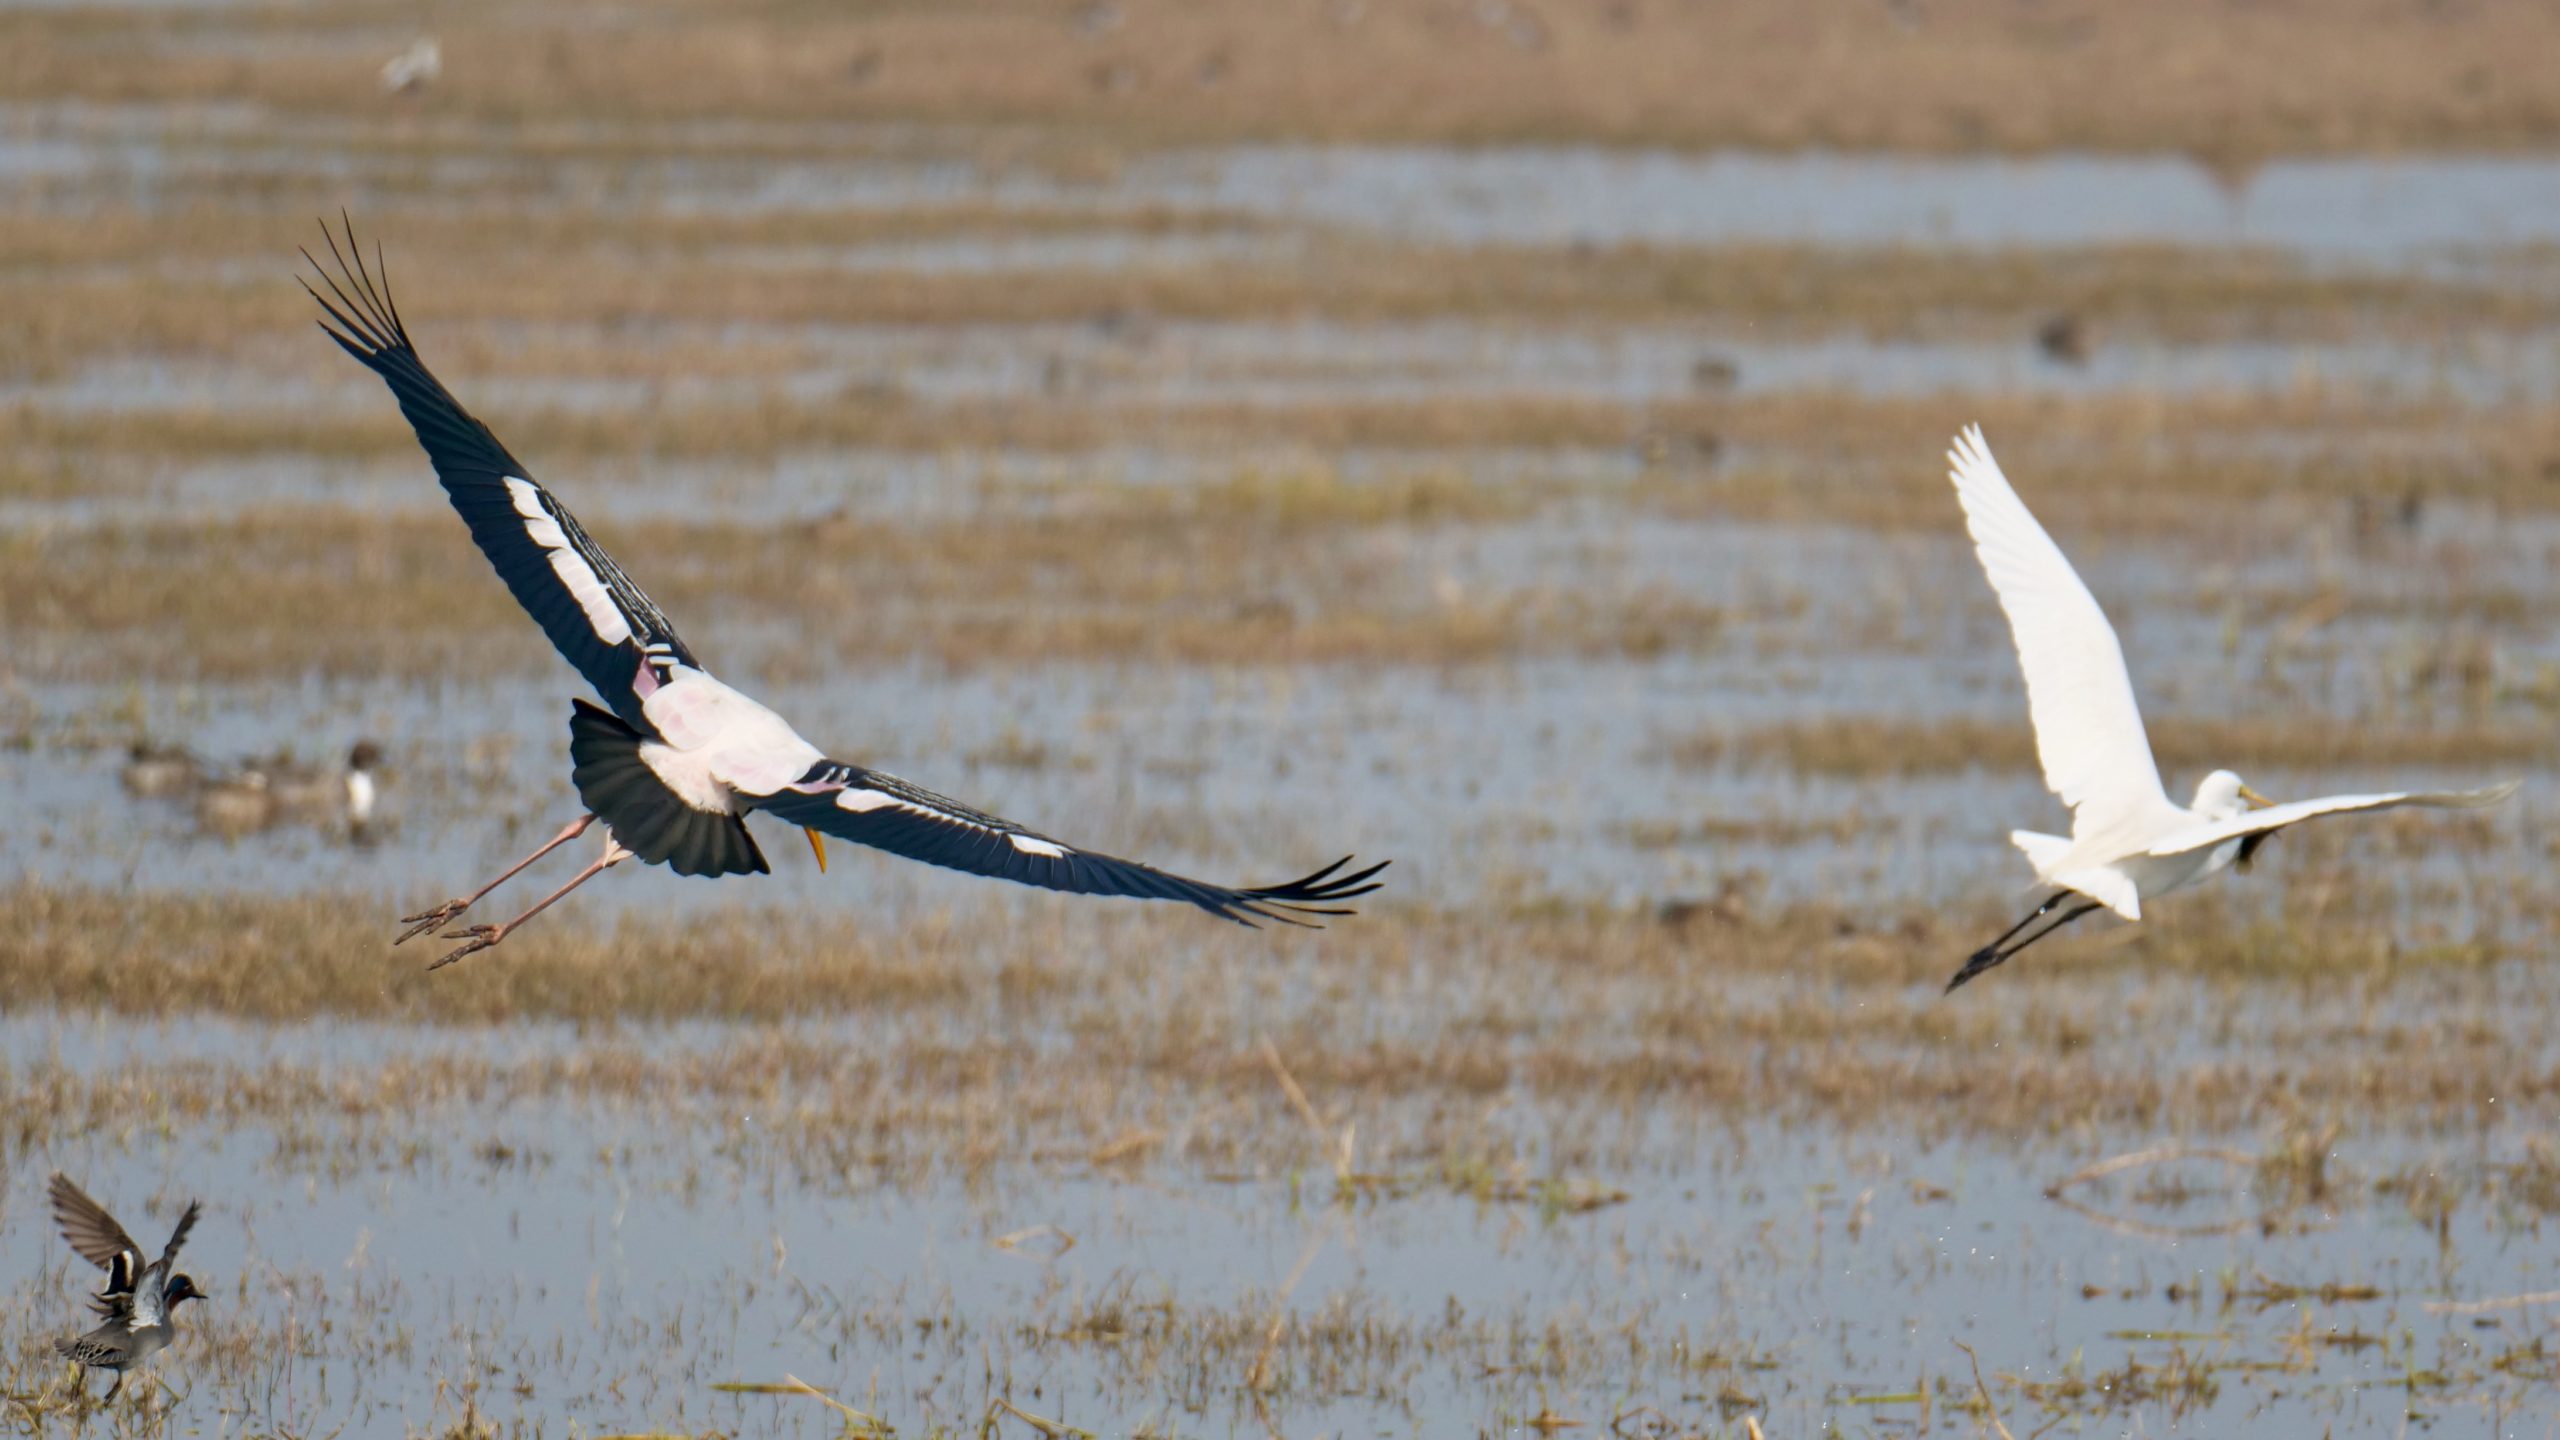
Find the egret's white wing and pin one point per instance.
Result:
(2276, 817)
(2089, 733)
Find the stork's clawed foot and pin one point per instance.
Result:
(477, 938)
(426, 920)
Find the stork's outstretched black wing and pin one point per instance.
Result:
(597, 619)
(882, 811)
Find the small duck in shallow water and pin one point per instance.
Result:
(268, 792)
(153, 771)
(314, 791)
(236, 804)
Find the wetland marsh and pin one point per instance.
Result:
(1528, 476)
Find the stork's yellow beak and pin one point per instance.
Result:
(817, 847)
(2256, 800)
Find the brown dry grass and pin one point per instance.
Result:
(175, 285)
(1413, 1020)
(1871, 746)
(112, 234)
(2205, 75)
(2132, 464)
(1288, 563)
(1836, 455)
(1811, 456)
(1298, 566)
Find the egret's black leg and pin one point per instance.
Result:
(110, 1397)
(2038, 913)
(435, 919)
(2000, 950)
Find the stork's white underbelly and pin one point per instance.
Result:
(717, 744)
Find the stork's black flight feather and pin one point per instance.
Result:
(598, 620)
(885, 812)
(682, 804)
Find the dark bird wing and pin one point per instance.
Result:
(115, 1303)
(178, 1237)
(596, 618)
(114, 1299)
(93, 1233)
(887, 813)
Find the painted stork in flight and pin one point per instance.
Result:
(676, 760)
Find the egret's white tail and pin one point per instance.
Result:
(2103, 883)
(2043, 851)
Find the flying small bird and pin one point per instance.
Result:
(139, 1304)
(2064, 339)
(2129, 841)
(413, 69)
(679, 759)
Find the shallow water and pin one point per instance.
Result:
(608, 1268)
(2396, 210)
(2347, 208)
(1554, 774)
(1179, 366)
(2350, 206)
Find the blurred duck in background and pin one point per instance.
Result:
(317, 792)
(235, 804)
(154, 771)
(274, 791)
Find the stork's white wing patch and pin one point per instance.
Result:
(576, 575)
(589, 592)
(862, 801)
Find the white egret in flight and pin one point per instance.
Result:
(2129, 841)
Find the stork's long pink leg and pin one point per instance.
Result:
(482, 937)
(426, 920)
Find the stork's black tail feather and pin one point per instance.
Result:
(650, 820)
